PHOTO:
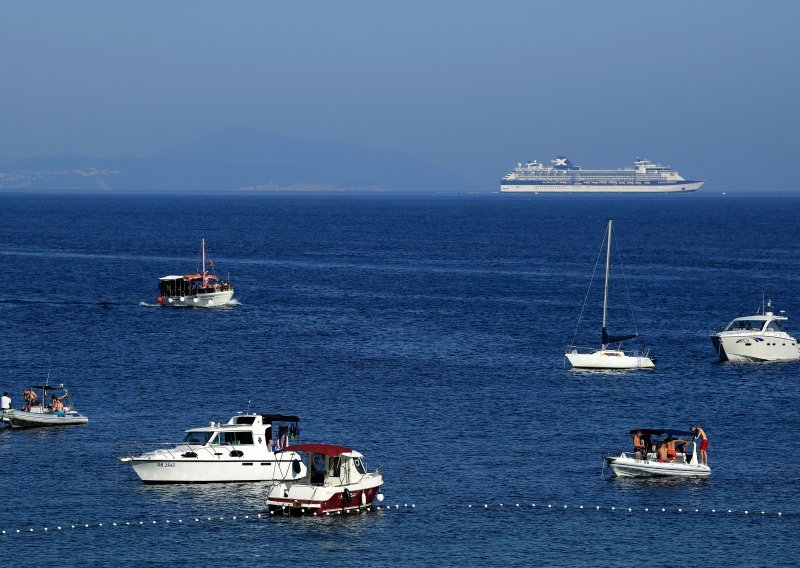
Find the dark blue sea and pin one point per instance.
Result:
(426, 332)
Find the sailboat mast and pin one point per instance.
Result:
(205, 280)
(608, 266)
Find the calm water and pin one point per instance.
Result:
(426, 332)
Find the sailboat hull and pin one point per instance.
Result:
(608, 359)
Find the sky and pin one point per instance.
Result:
(711, 87)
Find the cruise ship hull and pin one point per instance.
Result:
(682, 187)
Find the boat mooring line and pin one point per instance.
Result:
(189, 521)
(596, 508)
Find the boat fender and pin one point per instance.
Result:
(160, 300)
(363, 498)
(296, 466)
(347, 497)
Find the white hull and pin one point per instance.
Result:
(608, 359)
(159, 467)
(624, 466)
(22, 419)
(685, 187)
(200, 300)
(744, 347)
(305, 498)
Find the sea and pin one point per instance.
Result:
(426, 332)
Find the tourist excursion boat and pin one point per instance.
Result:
(646, 462)
(203, 289)
(53, 408)
(336, 481)
(608, 357)
(241, 450)
(757, 338)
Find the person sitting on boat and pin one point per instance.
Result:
(30, 398)
(638, 445)
(271, 445)
(58, 406)
(5, 402)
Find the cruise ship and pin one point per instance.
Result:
(564, 177)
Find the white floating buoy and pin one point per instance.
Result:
(779, 514)
(45, 529)
(613, 508)
(630, 510)
(713, 510)
(549, 506)
(468, 507)
(746, 512)
(598, 508)
(501, 504)
(517, 504)
(581, 506)
(679, 511)
(646, 510)
(413, 506)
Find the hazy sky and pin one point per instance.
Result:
(710, 87)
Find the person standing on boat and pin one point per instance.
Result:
(638, 445)
(700, 433)
(5, 402)
(30, 398)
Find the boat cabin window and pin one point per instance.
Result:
(245, 419)
(774, 325)
(198, 437)
(360, 467)
(235, 438)
(336, 464)
(745, 325)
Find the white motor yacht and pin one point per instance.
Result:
(237, 451)
(757, 338)
(336, 481)
(646, 462)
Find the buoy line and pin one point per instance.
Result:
(607, 508)
(188, 521)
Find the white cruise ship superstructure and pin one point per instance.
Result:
(564, 177)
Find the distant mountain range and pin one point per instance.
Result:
(238, 159)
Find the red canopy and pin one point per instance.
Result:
(326, 449)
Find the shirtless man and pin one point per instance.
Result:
(30, 398)
(662, 452)
(672, 450)
(638, 445)
(58, 406)
(699, 433)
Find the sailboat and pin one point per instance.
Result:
(203, 289)
(607, 357)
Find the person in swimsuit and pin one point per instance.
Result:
(662, 452)
(58, 406)
(638, 445)
(700, 433)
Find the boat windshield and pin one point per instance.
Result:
(200, 438)
(745, 325)
(361, 467)
(775, 325)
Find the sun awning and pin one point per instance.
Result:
(325, 449)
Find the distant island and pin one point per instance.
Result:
(237, 159)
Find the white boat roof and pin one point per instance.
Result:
(761, 317)
(171, 278)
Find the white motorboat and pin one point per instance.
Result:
(608, 357)
(202, 290)
(679, 463)
(60, 412)
(758, 338)
(336, 481)
(241, 450)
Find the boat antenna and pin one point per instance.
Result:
(248, 407)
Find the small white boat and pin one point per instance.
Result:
(648, 464)
(608, 357)
(202, 290)
(41, 414)
(234, 452)
(758, 338)
(336, 481)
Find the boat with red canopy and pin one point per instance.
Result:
(336, 480)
